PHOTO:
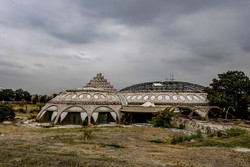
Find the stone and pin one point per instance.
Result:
(7, 122)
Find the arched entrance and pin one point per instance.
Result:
(185, 112)
(216, 112)
(74, 116)
(48, 114)
(103, 115)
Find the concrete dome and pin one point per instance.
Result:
(86, 96)
(97, 102)
(166, 86)
(169, 92)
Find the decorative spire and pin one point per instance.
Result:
(100, 82)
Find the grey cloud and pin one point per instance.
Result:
(10, 73)
(8, 64)
(141, 12)
(77, 57)
(129, 41)
(213, 52)
(75, 32)
(72, 57)
(39, 65)
(73, 37)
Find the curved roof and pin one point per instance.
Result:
(83, 96)
(166, 86)
(165, 98)
(97, 91)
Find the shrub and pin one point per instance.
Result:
(163, 119)
(21, 110)
(179, 139)
(182, 126)
(113, 145)
(6, 113)
(158, 141)
(87, 134)
(187, 138)
(197, 135)
(33, 113)
(233, 137)
(232, 132)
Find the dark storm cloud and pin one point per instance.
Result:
(8, 64)
(74, 37)
(130, 41)
(141, 12)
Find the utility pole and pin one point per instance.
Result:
(172, 77)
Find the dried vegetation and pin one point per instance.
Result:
(107, 146)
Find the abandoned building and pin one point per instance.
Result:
(99, 103)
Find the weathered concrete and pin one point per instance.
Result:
(204, 126)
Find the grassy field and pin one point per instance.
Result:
(26, 107)
(110, 146)
(23, 109)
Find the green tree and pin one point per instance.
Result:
(26, 96)
(231, 89)
(7, 95)
(34, 99)
(43, 98)
(6, 113)
(18, 94)
(21, 94)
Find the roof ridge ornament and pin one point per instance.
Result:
(99, 81)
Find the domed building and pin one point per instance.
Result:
(99, 103)
(145, 99)
(168, 92)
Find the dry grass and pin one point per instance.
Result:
(109, 146)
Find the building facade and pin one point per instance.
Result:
(99, 103)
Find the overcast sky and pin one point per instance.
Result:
(48, 46)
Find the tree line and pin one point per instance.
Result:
(22, 95)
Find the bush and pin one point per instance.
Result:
(233, 137)
(233, 132)
(158, 141)
(21, 110)
(180, 138)
(113, 145)
(182, 126)
(6, 113)
(87, 134)
(163, 119)
(33, 113)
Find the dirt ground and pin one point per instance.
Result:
(108, 146)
